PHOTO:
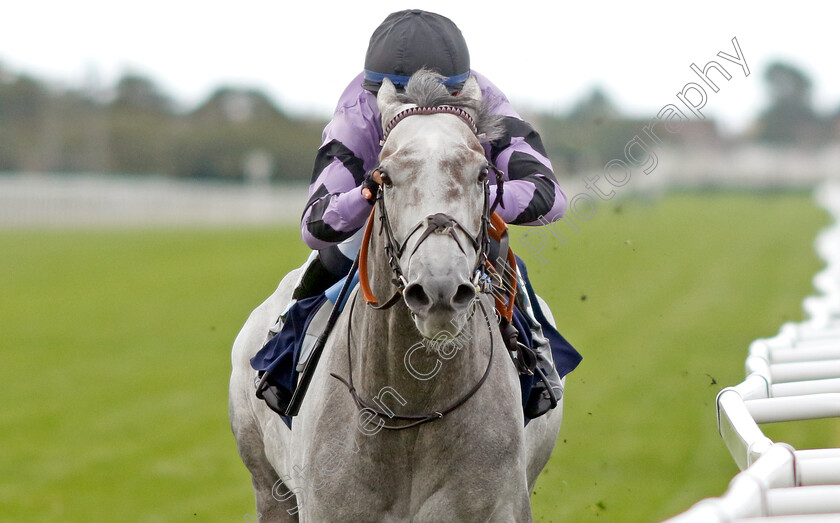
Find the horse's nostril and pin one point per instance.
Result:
(416, 297)
(463, 296)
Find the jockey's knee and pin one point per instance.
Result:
(335, 261)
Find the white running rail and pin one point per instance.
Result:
(793, 376)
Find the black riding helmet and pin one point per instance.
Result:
(408, 41)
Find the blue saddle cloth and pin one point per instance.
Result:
(566, 358)
(279, 356)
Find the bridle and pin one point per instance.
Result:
(439, 223)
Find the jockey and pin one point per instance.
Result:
(338, 209)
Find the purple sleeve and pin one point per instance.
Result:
(349, 148)
(531, 191)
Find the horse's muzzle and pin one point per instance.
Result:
(439, 293)
(439, 300)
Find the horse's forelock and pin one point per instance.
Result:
(425, 89)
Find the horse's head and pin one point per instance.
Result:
(433, 169)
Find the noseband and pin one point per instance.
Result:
(439, 223)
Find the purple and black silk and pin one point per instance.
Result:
(350, 147)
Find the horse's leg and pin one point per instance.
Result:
(274, 501)
(540, 437)
(454, 505)
(541, 433)
(518, 509)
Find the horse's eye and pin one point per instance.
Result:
(386, 180)
(482, 175)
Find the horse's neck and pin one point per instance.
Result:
(388, 352)
(383, 338)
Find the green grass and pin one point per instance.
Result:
(115, 365)
(663, 300)
(115, 358)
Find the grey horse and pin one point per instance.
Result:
(342, 460)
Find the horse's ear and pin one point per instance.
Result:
(471, 90)
(387, 101)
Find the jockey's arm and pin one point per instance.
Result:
(350, 147)
(531, 193)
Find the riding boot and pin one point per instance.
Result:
(548, 390)
(326, 266)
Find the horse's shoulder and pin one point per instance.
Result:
(282, 295)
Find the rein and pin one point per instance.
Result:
(414, 420)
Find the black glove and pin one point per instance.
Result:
(370, 187)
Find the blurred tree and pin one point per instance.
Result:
(593, 133)
(790, 118)
(141, 128)
(140, 93)
(233, 105)
(232, 124)
(22, 98)
(24, 103)
(84, 132)
(138, 131)
(595, 108)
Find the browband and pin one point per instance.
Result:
(440, 109)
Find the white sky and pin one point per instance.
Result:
(541, 54)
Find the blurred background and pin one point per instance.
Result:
(154, 163)
(190, 92)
